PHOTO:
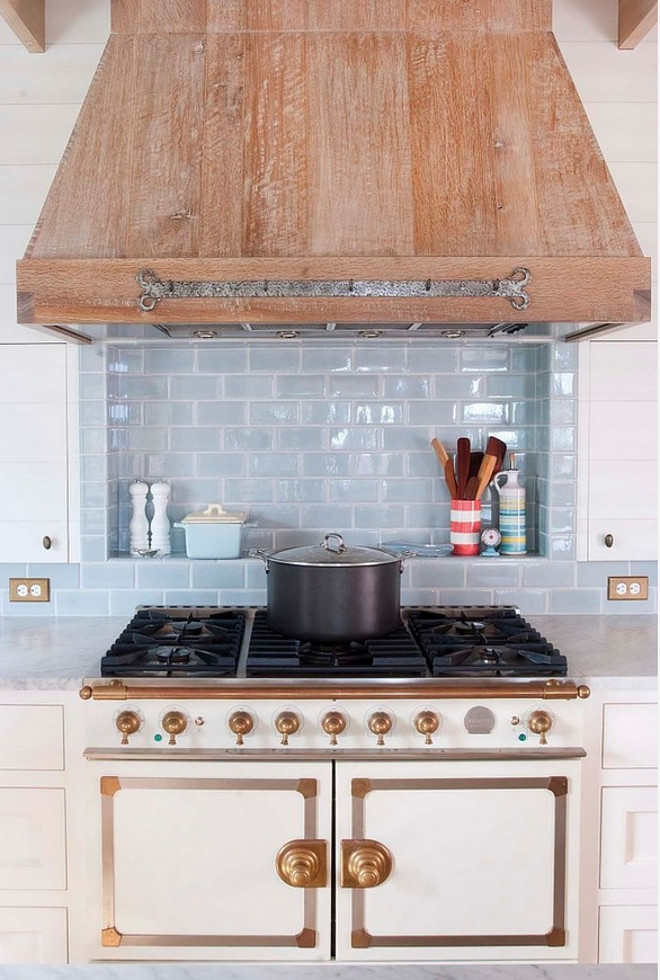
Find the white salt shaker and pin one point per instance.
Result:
(138, 527)
(160, 523)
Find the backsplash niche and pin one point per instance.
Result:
(311, 438)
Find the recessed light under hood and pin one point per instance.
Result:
(242, 165)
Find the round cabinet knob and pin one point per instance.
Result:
(333, 724)
(174, 723)
(240, 723)
(426, 723)
(380, 724)
(287, 723)
(47, 542)
(609, 540)
(540, 722)
(128, 723)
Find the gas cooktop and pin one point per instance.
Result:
(438, 641)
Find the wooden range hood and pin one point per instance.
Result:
(332, 161)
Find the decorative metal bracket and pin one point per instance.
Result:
(156, 289)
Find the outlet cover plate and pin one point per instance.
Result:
(29, 590)
(629, 587)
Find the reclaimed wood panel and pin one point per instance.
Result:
(487, 15)
(223, 184)
(580, 212)
(346, 15)
(636, 19)
(87, 208)
(172, 16)
(27, 19)
(359, 145)
(124, 17)
(256, 15)
(275, 153)
(453, 183)
(572, 289)
(167, 122)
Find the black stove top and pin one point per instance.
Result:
(447, 641)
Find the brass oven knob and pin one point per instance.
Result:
(426, 723)
(540, 722)
(287, 723)
(240, 723)
(379, 724)
(333, 724)
(128, 723)
(174, 723)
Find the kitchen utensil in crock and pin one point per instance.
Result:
(462, 466)
(447, 466)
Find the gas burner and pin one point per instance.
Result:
(177, 642)
(483, 642)
(272, 655)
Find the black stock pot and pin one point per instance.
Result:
(331, 593)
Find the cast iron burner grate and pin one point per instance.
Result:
(272, 655)
(482, 641)
(183, 642)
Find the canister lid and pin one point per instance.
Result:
(214, 514)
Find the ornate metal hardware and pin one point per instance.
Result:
(511, 288)
(303, 863)
(364, 863)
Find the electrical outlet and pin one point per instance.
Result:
(29, 590)
(628, 587)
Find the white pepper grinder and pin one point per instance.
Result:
(160, 522)
(138, 528)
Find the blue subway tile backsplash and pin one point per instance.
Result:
(310, 439)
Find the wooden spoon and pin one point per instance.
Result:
(485, 474)
(462, 466)
(447, 466)
(476, 459)
(496, 448)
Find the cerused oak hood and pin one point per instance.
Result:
(405, 162)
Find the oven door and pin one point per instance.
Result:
(210, 861)
(458, 860)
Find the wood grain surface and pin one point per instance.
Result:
(413, 131)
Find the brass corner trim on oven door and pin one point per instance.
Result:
(303, 863)
(109, 785)
(551, 690)
(111, 937)
(306, 939)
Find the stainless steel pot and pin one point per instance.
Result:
(332, 593)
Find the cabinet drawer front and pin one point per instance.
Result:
(32, 839)
(628, 934)
(36, 935)
(630, 736)
(31, 736)
(629, 837)
(633, 540)
(613, 489)
(22, 541)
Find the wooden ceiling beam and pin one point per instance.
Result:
(27, 19)
(636, 19)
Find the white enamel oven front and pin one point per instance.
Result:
(358, 860)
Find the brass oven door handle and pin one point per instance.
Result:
(364, 863)
(303, 863)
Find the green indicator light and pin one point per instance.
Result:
(522, 737)
(159, 738)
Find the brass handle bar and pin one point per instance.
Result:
(544, 690)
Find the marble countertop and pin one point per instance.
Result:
(52, 653)
(330, 971)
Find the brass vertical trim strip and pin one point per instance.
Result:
(107, 864)
(557, 785)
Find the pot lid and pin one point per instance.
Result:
(215, 514)
(333, 551)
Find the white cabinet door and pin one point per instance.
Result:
(628, 934)
(33, 935)
(190, 863)
(479, 862)
(31, 736)
(32, 839)
(618, 497)
(33, 452)
(629, 837)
